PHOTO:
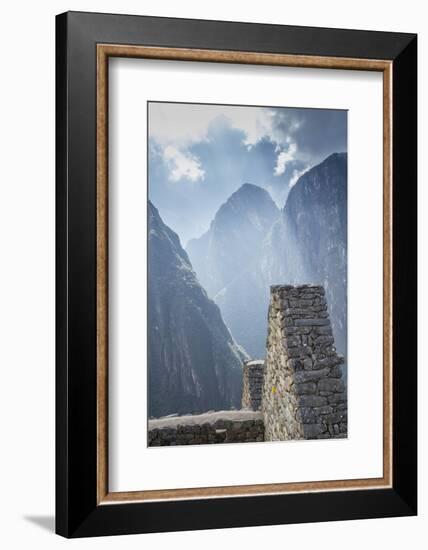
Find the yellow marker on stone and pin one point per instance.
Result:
(273, 389)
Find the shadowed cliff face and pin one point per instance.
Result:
(194, 363)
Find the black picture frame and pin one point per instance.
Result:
(78, 513)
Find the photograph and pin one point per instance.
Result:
(247, 273)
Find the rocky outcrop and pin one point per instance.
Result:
(194, 364)
(304, 396)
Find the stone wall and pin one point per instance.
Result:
(211, 427)
(304, 396)
(297, 393)
(252, 384)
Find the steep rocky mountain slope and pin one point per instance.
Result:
(194, 364)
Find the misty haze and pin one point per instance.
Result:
(247, 273)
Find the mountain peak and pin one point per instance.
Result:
(335, 157)
(249, 204)
(329, 173)
(331, 161)
(250, 189)
(248, 197)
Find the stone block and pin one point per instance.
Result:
(312, 431)
(305, 388)
(306, 415)
(326, 409)
(301, 351)
(337, 398)
(336, 372)
(311, 322)
(292, 341)
(295, 364)
(323, 330)
(308, 363)
(310, 375)
(335, 418)
(303, 303)
(312, 401)
(331, 384)
(324, 339)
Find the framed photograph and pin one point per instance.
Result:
(236, 274)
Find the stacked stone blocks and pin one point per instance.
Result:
(206, 431)
(252, 384)
(304, 396)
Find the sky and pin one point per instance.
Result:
(200, 154)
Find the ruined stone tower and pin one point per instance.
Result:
(304, 396)
(252, 384)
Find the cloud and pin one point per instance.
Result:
(283, 158)
(296, 175)
(317, 132)
(177, 127)
(183, 124)
(180, 129)
(255, 123)
(182, 165)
